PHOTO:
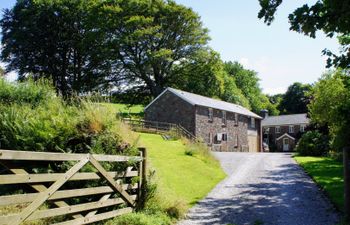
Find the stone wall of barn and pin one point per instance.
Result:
(237, 133)
(170, 108)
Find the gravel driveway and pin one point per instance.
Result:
(263, 188)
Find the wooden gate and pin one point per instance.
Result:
(82, 192)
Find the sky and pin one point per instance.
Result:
(281, 57)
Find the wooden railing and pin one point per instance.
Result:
(159, 127)
(84, 193)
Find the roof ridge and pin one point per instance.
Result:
(289, 115)
(207, 97)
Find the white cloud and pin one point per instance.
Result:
(276, 90)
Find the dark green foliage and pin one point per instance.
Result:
(84, 45)
(247, 82)
(57, 40)
(296, 99)
(313, 143)
(330, 16)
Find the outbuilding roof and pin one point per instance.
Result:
(200, 100)
(285, 120)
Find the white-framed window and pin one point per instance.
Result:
(210, 114)
(236, 119)
(252, 122)
(302, 128)
(219, 137)
(224, 118)
(277, 130)
(291, 129)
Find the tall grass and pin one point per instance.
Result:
(34, 118)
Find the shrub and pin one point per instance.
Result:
(313, 143)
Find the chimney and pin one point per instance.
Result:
(264, 113)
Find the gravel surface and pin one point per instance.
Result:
(263, 188)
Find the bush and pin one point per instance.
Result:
(313, 143)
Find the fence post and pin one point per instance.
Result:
(143, 180)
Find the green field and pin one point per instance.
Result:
(328, 173)
(180, 177)
(132, 111)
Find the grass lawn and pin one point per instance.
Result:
(180, 176)
(328, 173)
(135, 111)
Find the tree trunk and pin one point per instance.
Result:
(346, 182)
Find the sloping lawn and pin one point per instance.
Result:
(328, 173)
(180, 176)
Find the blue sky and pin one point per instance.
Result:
(280, 56)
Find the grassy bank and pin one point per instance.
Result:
(328, 173)
(189, 178)
(184, 174)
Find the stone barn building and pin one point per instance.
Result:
(223, 126)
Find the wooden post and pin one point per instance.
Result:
(143, 178)
(346, 182)
(144, 165)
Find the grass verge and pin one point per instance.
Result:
(328, 173)
(181, 176)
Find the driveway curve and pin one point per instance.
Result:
(263, 188)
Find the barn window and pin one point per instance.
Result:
(219, 137)
(236, 141)
(252, 122)
(224, 136)
(210, 114)
(236, 119)
(224, 118)
(291, 129)
(277, 130)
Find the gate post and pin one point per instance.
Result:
(143, 175)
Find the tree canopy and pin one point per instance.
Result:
(84, 45)
(330, 105)
(248, 82)
(296, 99)
(329, 16)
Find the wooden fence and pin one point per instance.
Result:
(83, 193)
(159, 127)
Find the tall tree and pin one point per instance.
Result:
(329, 16)
(248, 82)
(149, 38)
(55, 39)
(296, 99)
(84, 45)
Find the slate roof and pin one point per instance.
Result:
(195, 99)
(285, 120)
